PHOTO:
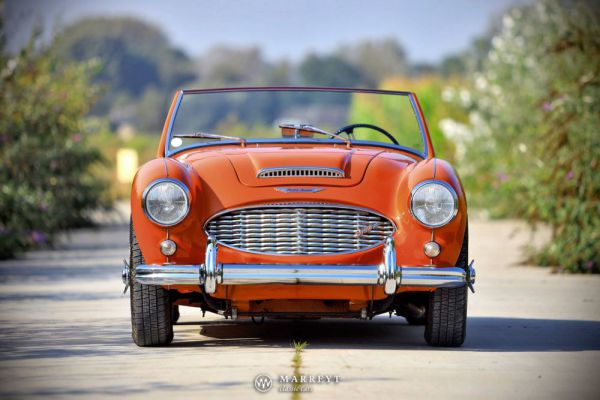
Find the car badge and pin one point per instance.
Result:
(366, 229)
(299, 190)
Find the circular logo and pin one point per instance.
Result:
(263, 383)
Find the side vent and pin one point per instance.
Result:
(304, 172)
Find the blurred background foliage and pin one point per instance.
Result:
(45, 155)
(516, 112)
(531, 143)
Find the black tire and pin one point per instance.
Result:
(151, 308)
(446, 324)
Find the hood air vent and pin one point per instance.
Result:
(303, 172)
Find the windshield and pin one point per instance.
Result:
(301, 115)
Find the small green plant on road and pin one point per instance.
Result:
(297, 366)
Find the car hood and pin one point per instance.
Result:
(248, 163)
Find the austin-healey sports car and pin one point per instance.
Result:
(298, 202)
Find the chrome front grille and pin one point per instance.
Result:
(300, 229)
(305, 172)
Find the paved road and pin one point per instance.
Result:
(64, 333)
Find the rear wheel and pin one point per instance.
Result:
(446, 323)
(151, 307)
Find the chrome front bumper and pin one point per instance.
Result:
(387, 274)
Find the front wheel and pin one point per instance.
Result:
(151, 307)
(446, 324)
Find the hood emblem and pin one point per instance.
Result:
(366, 229)
(299, 190)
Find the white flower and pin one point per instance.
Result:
(480, 82)
(454, 130)
(493, 56)
(465, 97)
(496, 90)
(522, 147)
(508, 21)
(498, 43)
(448, 94)
(529, 62)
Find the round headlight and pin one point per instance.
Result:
(434, 203)
(166, 202)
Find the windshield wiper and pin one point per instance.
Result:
(310, 128)
(205, 135)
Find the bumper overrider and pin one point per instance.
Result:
(387, 274)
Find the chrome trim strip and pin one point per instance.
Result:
(264, 274)
(300, 172)
(442, 183)
(433, 276)
(167, 274)
(299, 189)
(156, 182)
(248, 274)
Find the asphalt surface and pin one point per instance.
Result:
(65, 333)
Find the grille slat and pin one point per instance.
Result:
(305, 229)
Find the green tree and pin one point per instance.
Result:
(376, 59)
(45, 179)
(330, 70)
(534, 149)
(134, 57)
(226, 65)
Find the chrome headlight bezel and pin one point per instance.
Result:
(177, 184)
(446, 186)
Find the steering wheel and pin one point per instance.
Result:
(349, 130)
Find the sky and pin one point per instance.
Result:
(427, 29)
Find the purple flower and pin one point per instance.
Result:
(76, 137)
(502, 177)
(547, 106)
(38, 237)
(3, 229)
(570, 175)
(43, 206)
(589, 265)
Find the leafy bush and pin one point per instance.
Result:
(45, 183)
(533, 147)
(429, 90)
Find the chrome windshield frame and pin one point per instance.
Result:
(427, 150)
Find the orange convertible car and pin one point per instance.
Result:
(298, 203)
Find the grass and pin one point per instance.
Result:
(297, 366)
